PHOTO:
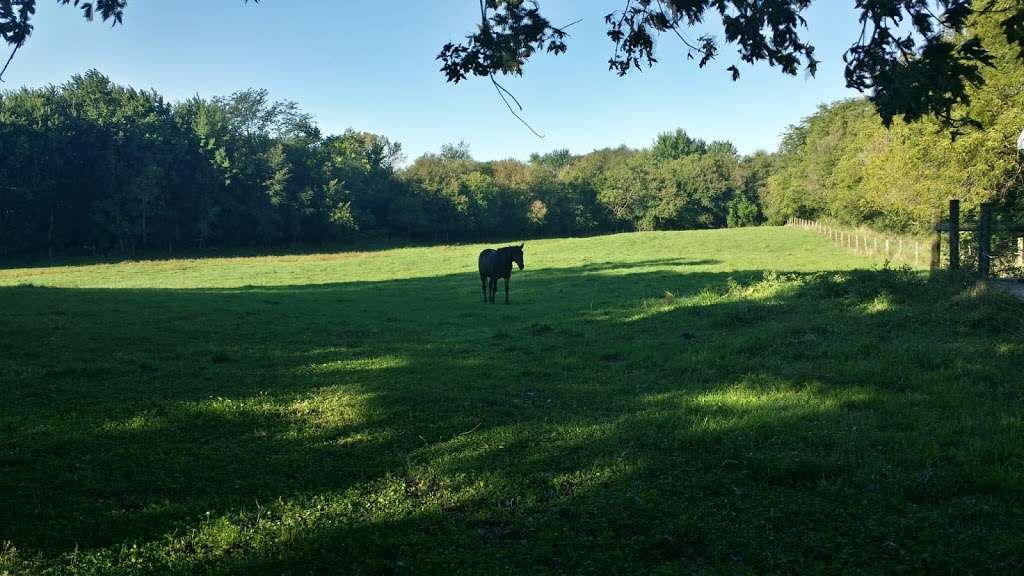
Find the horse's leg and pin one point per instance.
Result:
(494, 288)
(506, 289)
(483, 284)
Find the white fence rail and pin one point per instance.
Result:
(912, 251)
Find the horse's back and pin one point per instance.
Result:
(485, 262)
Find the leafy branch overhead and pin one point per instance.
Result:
(16, 16)
(509, 33)
(912, 56)
(16, 19)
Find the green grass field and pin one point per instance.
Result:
(732, 401)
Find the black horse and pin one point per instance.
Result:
(496, 264)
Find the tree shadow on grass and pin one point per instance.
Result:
(606, 421)
(84, 257)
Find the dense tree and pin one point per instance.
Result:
(93, 164)
(745, 208)
(90, 165)
(554, 160)
(678, 144)
(840, 163)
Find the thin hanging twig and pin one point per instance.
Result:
(501, 92)
(8, 63)
(675, 28)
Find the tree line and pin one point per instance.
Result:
(841, 163)
(93, 166)
(96, 167)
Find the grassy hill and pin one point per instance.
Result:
(729, 401)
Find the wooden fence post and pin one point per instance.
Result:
(954, 234)
(1020, 252)
(985, 240)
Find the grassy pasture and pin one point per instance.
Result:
(733, 401)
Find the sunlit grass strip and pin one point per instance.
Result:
(641, 400)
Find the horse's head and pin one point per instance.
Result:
(517, 255)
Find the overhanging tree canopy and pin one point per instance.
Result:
(911, 57)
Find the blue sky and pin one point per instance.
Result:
(371, 66)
